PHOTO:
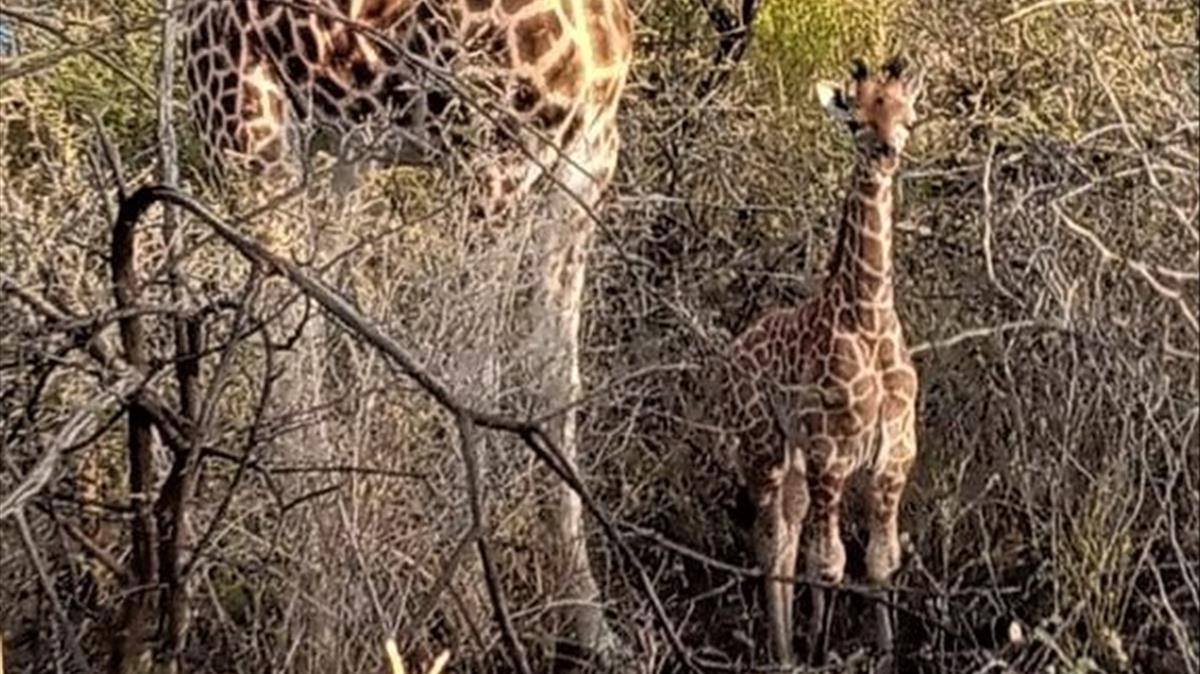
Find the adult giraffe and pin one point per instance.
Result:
(814, 393)
(262, 72)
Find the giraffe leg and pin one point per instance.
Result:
(795, 509)
(826, 561)
(820, 622)
(561, 296)
(777, 526)
(769, 549)
(883, 549)
(564, 234)
(816, 625)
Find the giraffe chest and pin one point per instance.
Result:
(843, 391)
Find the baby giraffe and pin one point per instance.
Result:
(816, 392)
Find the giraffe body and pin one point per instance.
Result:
(519, 90)
(817, 392)
(264, 76)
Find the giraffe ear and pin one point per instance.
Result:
(833, 99)
(914, 85)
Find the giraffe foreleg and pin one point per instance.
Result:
(564, 236)
(899, 445)
(560, 307)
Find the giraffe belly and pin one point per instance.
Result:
(345, 81)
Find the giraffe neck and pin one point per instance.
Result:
(860, 278)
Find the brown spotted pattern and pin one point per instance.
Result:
(261, 75)
(814, 393)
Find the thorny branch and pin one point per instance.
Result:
(137, 203)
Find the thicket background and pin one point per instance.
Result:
(1049, 230)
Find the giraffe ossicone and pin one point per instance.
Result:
(812, 394)
(549, 75)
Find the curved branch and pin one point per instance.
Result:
(133, 207)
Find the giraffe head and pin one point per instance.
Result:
(879, 108)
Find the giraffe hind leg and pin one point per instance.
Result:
(774, 553)
(782, 507)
